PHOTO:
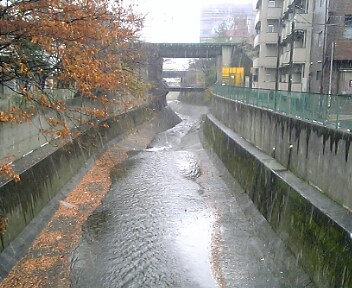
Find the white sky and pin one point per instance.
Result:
(173, 20)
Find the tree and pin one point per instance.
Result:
(223, 31)
(208, 68)
(86, 46)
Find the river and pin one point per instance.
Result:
(175, 218)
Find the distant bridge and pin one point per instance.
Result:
(191, 50)
(185, 89)
(223, 53)
(173, 73)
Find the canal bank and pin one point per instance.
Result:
(61, 219)
(316, 229)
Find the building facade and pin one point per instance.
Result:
(331, 57)
(304, 45)
(227, 21)
(266, 44)
(283, 45)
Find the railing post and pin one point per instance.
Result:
(337, 111)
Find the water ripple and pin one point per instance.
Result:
(153, 229)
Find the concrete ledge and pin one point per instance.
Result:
(45, 171)
(317, 230)
(318, 154)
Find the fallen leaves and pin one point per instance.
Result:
(7, 172)
(47, 262)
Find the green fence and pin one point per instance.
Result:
(335, 110)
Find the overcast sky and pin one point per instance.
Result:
(174, 20)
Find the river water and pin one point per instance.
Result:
(170, 220)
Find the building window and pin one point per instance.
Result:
(320, 39)
(300, 39)
(288, 47)
(271, 28)
(318, 77)
(347, 33)
(301, 6)
(272, 4)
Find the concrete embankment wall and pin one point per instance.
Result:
(316, 229)
(319, 155)
(20, 139)
(45, 171)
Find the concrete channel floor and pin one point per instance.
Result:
(245, 252)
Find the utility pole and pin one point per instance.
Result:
(277, 72)
(289, 88)
(327, 3)
(331, 66)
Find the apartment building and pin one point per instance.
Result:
(282, 42)
(331, 57)
(304, 45)
(266, 43)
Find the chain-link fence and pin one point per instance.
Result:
(332, 110)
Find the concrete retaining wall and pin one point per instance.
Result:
(20, 139)
(316, 229)
(45, 171)
(319, 155)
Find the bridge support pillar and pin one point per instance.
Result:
(218, 69)
(224, 60)
(227, 53)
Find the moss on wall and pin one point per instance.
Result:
(321, 245)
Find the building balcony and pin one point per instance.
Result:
(266, 85)
(256, 63)
(303, 22)
(269, 62)
(296, 87)
(256, 41)
(299, 56)
(257, 19)
(271, 38)
(265, 62)
(258, 4)
(274, 13)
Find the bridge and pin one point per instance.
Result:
(222, 52)
(173, 73)
(185, 89)
(191, 50)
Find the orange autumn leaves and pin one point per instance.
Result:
(85, 43)
(85, 46)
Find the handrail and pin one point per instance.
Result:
(329, 110)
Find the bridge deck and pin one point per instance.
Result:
(189, 50)
(186, 89)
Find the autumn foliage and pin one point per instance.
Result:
(87, 47)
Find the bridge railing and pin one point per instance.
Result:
(332, 110)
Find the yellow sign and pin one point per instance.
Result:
(233, 76)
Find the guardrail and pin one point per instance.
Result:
(330, 110)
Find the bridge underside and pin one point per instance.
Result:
(174, 74)
(223, 53)
(186, 89)
(189, 50)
